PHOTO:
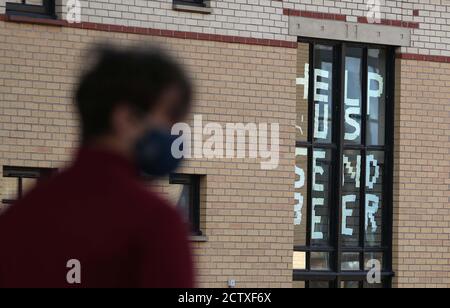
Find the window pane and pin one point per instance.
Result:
(301, 196)
(370, 258)
(30, 2)
(320, 261)
(353, 95)
(302, 81)
(299, 260)
(350, 284)
(179, 194)
(350, 261)
(351, 195)
(373, 285)
(376, 96)
(319, 284)
(374, 197)
(323, 93)
(34, 2)
(320, 222)
(28, 185)
(191, 2)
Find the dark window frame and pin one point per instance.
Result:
(194, 207)
(21, 173)
(198, 3)
(46, 10)
(336, 275)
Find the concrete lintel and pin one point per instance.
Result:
(349, 31)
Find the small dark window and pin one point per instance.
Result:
(19, 180)
(200, 3)
(185, 192)
(34, 8)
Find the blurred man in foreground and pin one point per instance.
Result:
(95, 225)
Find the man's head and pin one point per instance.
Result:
(128, 91)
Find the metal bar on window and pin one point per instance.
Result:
(196, 205)
(27, 172)
(8, 201)
(356, 275)
(19, 188)
(389, 160)
(362, 221)
(310, 153)
(339, 95)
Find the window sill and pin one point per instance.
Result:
(199, 238)
(34, 20)
(192, 8)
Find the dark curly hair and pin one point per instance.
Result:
(136, 76)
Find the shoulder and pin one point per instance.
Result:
(148, 204)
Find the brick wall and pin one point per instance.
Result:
(248, 211)
(422, 175)
(266, 19)
(248, 18)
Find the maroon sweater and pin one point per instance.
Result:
(99, 213)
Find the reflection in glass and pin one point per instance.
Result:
(374, 198)
(320, 221)
(351, 193)
(376, 97)
(323, 93)
(302, 82)
(369, 257)
(350, 284)
(353, 95)
(28, 184)
(320, 261)
(301, 196)
(179, 194)
(35, 2)
(350, 261)
(373, 285)
(313, 284)
(299, 262)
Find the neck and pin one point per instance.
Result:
(111, 144)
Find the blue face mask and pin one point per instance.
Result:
(153, 153)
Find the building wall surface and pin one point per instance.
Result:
(245, 69)
(422, 168)
(268, 19)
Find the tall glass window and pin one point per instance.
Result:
(343, 186)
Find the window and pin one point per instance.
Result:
(32, 8)
(184, 190)
(343, 186)
(19, 180)
(200, 3)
